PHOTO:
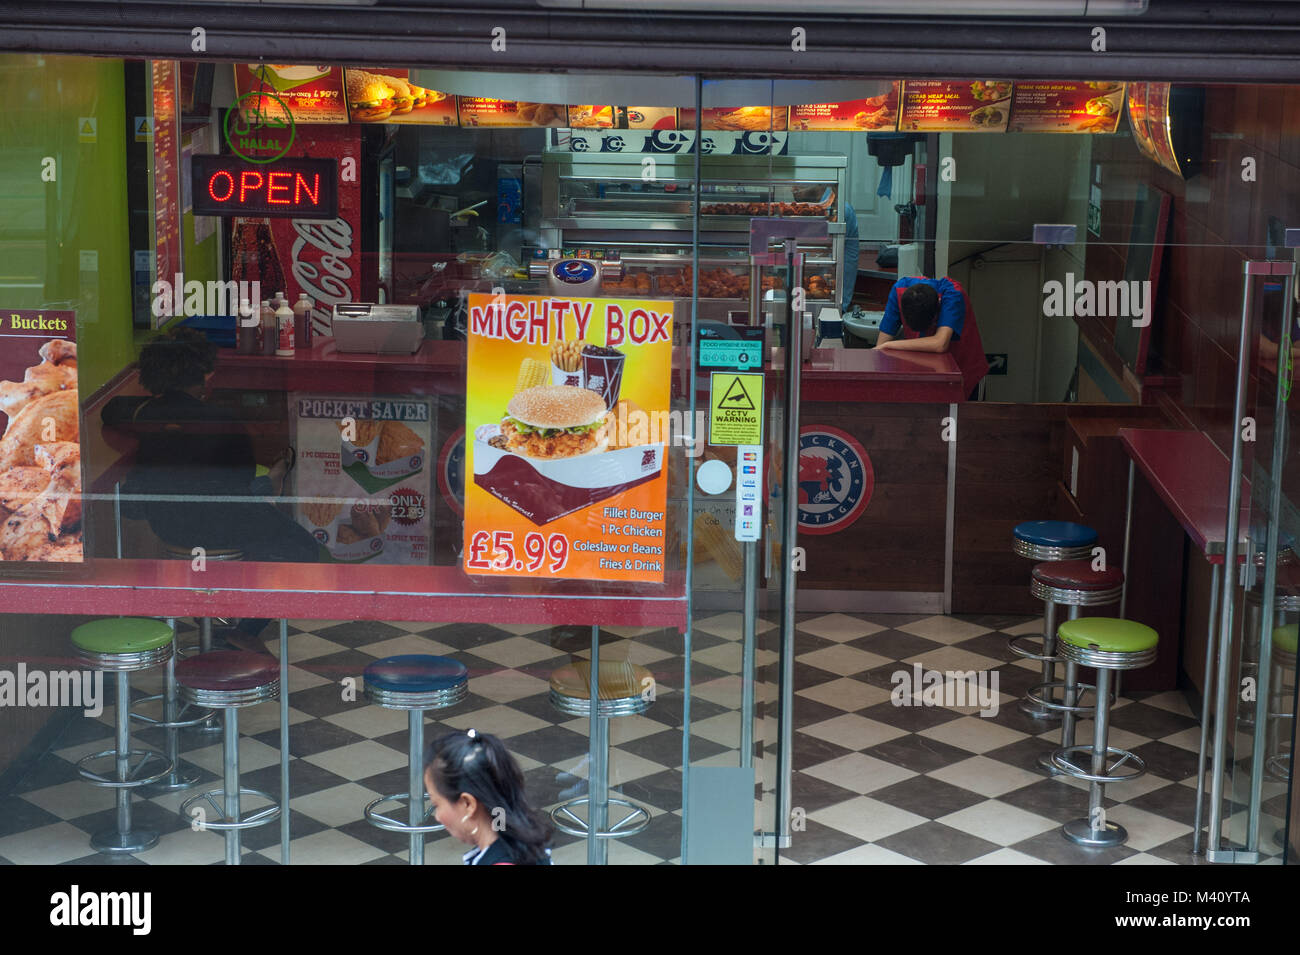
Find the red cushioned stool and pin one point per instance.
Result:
(229, 680)
(1074, 584)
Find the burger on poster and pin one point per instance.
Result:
(555, 421)
(370, 97)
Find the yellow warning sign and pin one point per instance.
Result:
(735, 408)
(87, 129)
(143, 129)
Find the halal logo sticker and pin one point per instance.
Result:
(259, 122)
(835, 479)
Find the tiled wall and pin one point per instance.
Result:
(1218, 221)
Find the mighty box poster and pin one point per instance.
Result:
(566, 435)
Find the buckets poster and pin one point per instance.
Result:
(566, 431)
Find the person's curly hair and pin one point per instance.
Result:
(176, 360)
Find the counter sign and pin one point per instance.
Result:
(289, 188)
(735, 408)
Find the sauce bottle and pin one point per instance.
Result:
(268, 328)
(284, 330)
(249, 321)
(302, 322)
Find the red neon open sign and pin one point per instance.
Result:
(291, 188)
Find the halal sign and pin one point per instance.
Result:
(835, 479)
(259, 127)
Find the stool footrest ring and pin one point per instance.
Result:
(1061, 759)
(381, 821)
(134, 773)
(178, 723)
(1014, 647)
(566, 820)
(1036, 695)
(216, 798)
(1279, 766)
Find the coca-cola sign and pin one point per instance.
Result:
(322, 257)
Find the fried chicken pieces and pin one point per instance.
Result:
(40, 460)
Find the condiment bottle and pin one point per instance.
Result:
(268, 328)
(284, 330)
(249, 321)
(302, 322)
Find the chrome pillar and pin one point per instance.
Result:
(1206, 696)
(230, 782)
(598, 778)
(1095, 831)
(415, 785)
(284, 742)
(1027, 706)
(1069, 697)
(950, 512)
(750, 627)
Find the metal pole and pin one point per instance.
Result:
(790, 482)
(598, 778)
(747, 656)
(231, 760)
(284, 742)
(123, 719)
(1263, 690)
(1206, 695)
(415, 782)
(1100, 731)
(950, 511)
(1230, 556)
(1128, 531)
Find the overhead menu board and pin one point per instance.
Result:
(1148, 111)
(945, 106)
(389, 96)
(313, 94)
(878, 112)
(1067, 107)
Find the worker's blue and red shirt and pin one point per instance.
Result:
(955, 312)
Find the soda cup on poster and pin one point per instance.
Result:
(602, 370)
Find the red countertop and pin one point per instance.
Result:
(1191, 476)
(172, 588)
(437, 367)
(869, 374)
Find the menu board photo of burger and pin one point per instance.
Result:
(389, 96)
(40, 435)
(565, 453)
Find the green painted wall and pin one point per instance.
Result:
(65, 243)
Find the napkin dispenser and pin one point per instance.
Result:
(368, 328)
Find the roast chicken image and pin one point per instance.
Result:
(40, 460)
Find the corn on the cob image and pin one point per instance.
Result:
(532, 373)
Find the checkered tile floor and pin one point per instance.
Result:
(877, 783)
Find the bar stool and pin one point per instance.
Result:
(1108, 644)
(621, 689)
(178, 552)
(172, 720)
(121, 645)
(1047, 541)
(1278, 764)
(230, 680)
(1074, 584)
(416, 683)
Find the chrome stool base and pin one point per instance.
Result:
(1279, 766)
(114, 843)
(1109, 775)
(1081, 833)
(566, 820)
(215, 797)
(388, 823)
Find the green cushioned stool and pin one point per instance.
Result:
(120, 645)
(1106, 644)
(1281, 662)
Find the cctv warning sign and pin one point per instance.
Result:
(735, 408)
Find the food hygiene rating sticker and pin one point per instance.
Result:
(735, 408)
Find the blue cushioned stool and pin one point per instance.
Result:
(1047, 541)
(413, 682)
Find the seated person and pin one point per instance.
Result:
(193, 457)
(935, 315)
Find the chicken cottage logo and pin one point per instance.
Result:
(835, 479)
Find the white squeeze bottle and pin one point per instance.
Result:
(302, 322)
(284, 330)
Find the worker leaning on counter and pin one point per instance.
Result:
(935, 315)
